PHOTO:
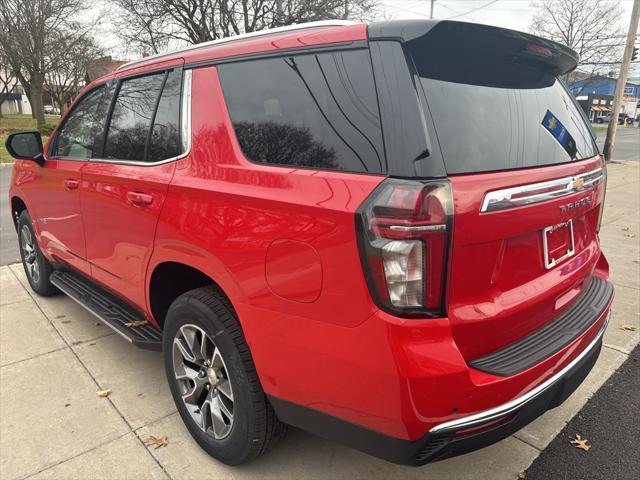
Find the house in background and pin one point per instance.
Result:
(14, 101)
(101, 66)
(595, 95)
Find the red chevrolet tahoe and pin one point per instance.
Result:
(384, 234)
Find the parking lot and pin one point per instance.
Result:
(55, 356)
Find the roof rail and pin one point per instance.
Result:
(243, 36)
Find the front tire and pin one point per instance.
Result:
(213, 379)
(36, 266)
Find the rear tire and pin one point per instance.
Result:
(213, 379)
(36, 266)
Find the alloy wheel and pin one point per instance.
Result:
(203, 380)
(29, 251)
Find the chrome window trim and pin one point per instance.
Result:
(504, 199)
(185, 130)
(517, 403)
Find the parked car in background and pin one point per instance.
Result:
(384, 234)
(622, 117)
(51, 110)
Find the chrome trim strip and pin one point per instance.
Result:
(243, 36)
(417, 228)
(185, 131)
(540, 192)
(513, 405)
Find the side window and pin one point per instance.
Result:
(76, 137)
(132, 117)
(312, 110)
(165, 135)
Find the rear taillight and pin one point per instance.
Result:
(404, 229)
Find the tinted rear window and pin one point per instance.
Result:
(494, 115)
(314, 110)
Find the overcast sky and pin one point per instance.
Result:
(514, 14)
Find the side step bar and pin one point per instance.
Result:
(112, 311)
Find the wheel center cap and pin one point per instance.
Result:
(211, 375)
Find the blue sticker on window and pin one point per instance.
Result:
(560, 133)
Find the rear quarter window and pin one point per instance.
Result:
(314, 110)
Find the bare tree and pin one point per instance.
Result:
(142, 23)
(31, 35)
(64, 81)
(7, 77)
(153, 24)
(590, 27)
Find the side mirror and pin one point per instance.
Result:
(26, 146)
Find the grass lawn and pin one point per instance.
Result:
(19, 123)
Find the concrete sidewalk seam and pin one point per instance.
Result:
(96, 447)
(515, 435)
(75, 354)
(617, 349)
(38, 355)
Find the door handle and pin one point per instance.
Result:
(71, 184)
(139, 199)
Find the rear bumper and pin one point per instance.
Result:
(457, 436)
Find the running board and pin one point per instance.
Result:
(112, 311)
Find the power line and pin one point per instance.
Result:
(404, 10)
(473, 10)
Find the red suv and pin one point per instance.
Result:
(385, 234)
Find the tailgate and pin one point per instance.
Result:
(503, 283)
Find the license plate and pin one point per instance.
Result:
(557, 243)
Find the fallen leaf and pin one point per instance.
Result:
(630, 235)
(625, 229)
(157, 442)
(103, 393)
(136, 324)
(629, 328)
(581, 443)
(522, 474)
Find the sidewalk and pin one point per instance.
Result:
(54, 357)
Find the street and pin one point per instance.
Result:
(627, 144)
(8, 239)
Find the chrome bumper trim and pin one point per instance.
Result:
(517, 403)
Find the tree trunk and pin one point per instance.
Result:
(37, 83)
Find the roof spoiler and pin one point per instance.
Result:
(453, 38)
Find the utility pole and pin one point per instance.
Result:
(279, 13)
(622, 81)
(431, 12)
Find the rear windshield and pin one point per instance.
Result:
(495, 115)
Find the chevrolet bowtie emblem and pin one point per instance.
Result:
(577, 184)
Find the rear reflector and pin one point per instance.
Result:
(403, 233)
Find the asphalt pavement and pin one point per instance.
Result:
(609, 421)
(8, 239)
(627, 144)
